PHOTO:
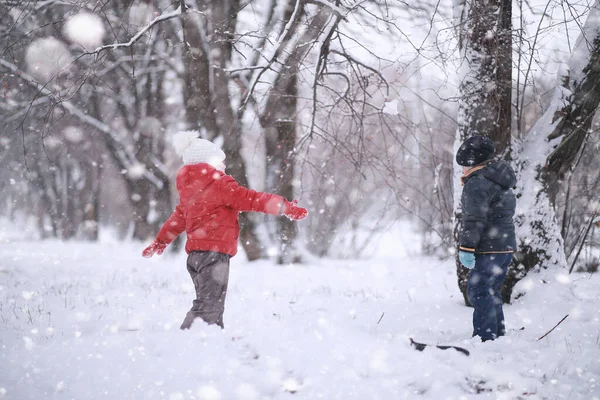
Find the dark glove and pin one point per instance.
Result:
(156, 247)
(292, 211)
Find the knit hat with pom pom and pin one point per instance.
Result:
(195, 150)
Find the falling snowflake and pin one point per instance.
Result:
(85, 29)
(47, 57)
(73, 134)
(136, 171)
(391, 107)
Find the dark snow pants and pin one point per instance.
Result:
(209, 271)
(483, 291)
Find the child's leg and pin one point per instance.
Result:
(502, 261)
(479, 292)
(209, 271)
(483, 291)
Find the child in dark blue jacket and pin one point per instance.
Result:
(487, 240)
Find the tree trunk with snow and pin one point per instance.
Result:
(486, 46)
(549, 152)
(198, 75)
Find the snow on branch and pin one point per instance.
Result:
(38, 4)
(137, 36)
(234, 71)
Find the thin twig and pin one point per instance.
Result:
(137, 36)
(380, 318)
(547, 333)
(587, 231)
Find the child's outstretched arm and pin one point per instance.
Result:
(242, 199)
(172, 228)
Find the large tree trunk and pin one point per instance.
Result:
(484, 109)
(198, 75)
(486, 43)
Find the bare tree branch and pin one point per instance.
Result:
(137, 36)
(126, 157)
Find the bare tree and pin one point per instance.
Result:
(120, 86)
(222, 73)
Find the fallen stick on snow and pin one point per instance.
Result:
(421, 346)
(547, 333)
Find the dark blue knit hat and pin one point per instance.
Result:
(475, 150)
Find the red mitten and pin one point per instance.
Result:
(292, 211)
(156, 247)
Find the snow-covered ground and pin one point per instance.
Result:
(97, 321)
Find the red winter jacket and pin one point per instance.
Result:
(209, 203)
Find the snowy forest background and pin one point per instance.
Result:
(353, 107)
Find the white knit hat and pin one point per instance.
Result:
(194, 150)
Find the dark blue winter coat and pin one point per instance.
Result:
(488, 207)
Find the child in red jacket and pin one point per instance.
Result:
(209, 203)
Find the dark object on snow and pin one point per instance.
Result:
(474, 151)
(421, 347)
(547, 333)
(488, 206)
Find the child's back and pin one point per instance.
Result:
(209, 203)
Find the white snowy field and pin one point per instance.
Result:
(97, 321)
